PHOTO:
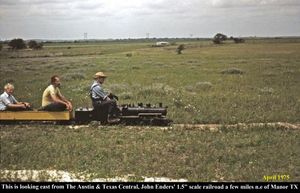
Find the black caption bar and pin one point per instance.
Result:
(192, 186)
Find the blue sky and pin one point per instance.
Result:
(70, 19)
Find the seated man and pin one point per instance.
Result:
(8, 101)
(53, 100)
(105, 105)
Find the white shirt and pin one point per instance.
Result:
(5, 100)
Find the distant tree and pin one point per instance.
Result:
(219, 38)
(180, 48)
(238, 40)
(39, 46)
(17, 44)
(1, 46)
(35, 45)
(32, 44)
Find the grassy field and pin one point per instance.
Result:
(239, 154)
(253, 82)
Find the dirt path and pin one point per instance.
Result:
(211, 127)
(239, 125)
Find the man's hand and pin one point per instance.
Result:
(27, 105)
(112, 96)
(69, 106)
(23, 106)
(116, 97)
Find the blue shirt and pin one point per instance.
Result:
(97, 91)
(5, 100)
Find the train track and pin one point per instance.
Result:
(240, 125)
(211, 127)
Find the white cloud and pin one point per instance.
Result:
(247, 3)
(129, 7)
(161, 18)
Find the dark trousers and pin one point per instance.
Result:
(18, 109)
(55, 107)
(104, 108)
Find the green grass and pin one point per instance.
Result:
(198, 86)
(227, 154)
(253, 82)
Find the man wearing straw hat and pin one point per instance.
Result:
(105, 105)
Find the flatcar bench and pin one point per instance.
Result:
(35, 115)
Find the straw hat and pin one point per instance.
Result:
(100, 75)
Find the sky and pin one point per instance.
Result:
(105, 19)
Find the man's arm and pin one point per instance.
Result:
(62, 100)
(13, 105)
(18, 105)
(66, 102)
(100, 93)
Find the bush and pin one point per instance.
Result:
(34, 45)
(217, 41)
(39, 46)
(128, 54)
(238, 40)
(17, 44)
(180, 48)
(219, 38)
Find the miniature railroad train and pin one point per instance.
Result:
(130, 114)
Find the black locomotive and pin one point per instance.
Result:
(129, 114)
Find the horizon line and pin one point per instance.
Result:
(136, 38)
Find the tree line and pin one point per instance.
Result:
(18, 43)
(220, 38)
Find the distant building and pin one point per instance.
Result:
(162, 43)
